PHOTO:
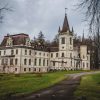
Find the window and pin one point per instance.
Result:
(35, 62)
(83, 57)
(71, 63)
(70, 55)
(29, 69)
(29, 61)
(62, 54)
(56, 54)
(39, 69)
(4, 52)
(39, 53)
(15, 69)
(16, 61)
(87, 57)
(63, 40)
(51, 54)
(29, 52)
(70, 41)
(11, 61)
(12, 52)
(0, 52)
(25, 52)
(43, 62)
(16, 51)
(24, 69)
(2, 62)
(6, 61)
(35, 53)
(47, 62)
(39, 62)
(87, 64)
(53, 63)
(44, 54)
(34, 69)
(83, 64)
(25, 61)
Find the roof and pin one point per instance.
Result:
(18, 39)
(65, 27)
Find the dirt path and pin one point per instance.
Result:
(61, 91)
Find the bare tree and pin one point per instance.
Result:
(92, 13)
(2, 10)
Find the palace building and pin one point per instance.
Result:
(19, 55)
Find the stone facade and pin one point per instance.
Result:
(17, 55)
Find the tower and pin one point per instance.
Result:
(66, 43)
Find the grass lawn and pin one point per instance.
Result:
(27, 83)
(89, 87)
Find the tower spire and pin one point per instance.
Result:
(72, 30)
(83, 36)
(66, 11)
(65, 27)
(59, 30)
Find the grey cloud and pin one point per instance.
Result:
(31, 16)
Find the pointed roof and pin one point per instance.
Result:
(59, 30)
(83, 36)
(65, 27)
(72, 30)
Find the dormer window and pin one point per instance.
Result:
(9, 41)
(28, 42)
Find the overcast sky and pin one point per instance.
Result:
(33, 16)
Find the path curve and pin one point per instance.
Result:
(61, 91)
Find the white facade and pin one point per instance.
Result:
(26, 59)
